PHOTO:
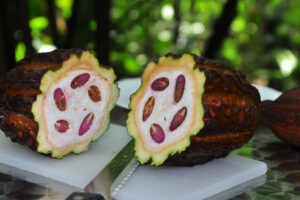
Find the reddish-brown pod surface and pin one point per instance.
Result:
(231, 114)
(283, 116)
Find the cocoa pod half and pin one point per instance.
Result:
(57, 102)
(203, 112)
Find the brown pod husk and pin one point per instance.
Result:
(234, 104)
(27, 101)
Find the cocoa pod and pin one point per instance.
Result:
(38, 99)
(283, 116)
(231, 114)
(18, 90)
(228, 111)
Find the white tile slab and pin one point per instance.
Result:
(75, 170)
(190, 183)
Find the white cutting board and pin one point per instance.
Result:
(190, 183)
(75, 170)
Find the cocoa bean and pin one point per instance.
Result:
(61, 126)
(157, 133)
(160, 84)
(149, 105)
(80, 80)
(86, 123)
(178, 118)
(60, 99)
(94, 93)
(179, 88)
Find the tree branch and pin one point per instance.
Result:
(71, 24)
(177, 20)
(23, 24)
(102, 10)
(8, 44)
(52, 22)
(221, 28)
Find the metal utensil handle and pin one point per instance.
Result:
(103, 182)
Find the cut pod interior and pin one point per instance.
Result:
(167, 109)
(74, 105)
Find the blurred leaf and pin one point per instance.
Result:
(185, 5)
(275, 3)
(131, 66)
(230, 51)
(65, 6)
(296, 38)
(36, 7)
(209, 6)
(20, 51)
(165, 35)
(47, 39)
(293, 15)
(93, 25)
(239, 24)
(132, 47)
(141, 59)
(38, 23)
(245, 150)
(116, 13)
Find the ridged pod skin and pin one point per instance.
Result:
(24, 88)
(282, 116)
(230, 113)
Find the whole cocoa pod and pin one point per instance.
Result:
(283, 116)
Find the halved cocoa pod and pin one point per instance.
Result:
(206, 111)
(57, 102)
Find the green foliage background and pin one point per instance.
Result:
(263, 40)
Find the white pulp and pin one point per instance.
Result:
(165, 109)
(79, 105)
